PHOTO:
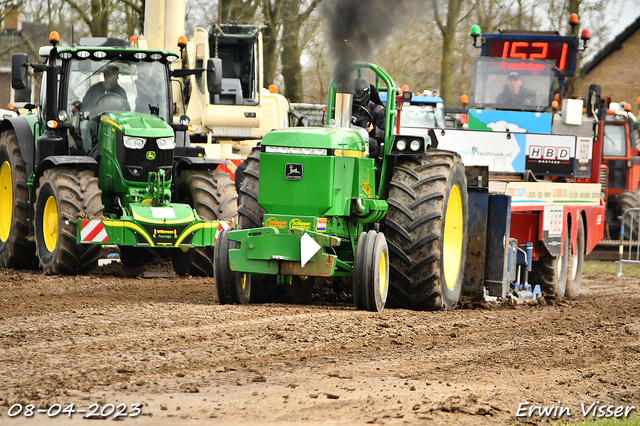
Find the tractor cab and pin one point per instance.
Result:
(619, 158)
(509, 84)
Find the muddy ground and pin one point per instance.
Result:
(168, 345)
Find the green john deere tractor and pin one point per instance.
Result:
(314, 204)
(119, 171)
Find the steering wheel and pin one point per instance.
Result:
(355, 120)
(108, 100)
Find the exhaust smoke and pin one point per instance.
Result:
(355, 29)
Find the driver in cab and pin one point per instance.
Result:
(514, 95)
(104, 95)
(100, 90)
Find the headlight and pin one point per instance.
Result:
(166, 143)
(415, 145)
(401, 144)
(62, 115)
(133, 142)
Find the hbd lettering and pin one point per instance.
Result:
(525, 409)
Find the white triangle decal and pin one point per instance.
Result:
(308, 247)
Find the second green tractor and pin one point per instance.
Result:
(315, 206)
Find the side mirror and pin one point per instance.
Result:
(214, 76)
(593, 98)
(19, 71)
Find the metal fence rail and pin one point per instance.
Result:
(629, 238)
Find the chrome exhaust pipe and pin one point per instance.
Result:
(343, 110)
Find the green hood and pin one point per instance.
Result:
(316, 137)
(135, 124)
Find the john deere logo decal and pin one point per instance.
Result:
(293, 171)
(151, 155)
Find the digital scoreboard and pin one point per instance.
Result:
(561, 49)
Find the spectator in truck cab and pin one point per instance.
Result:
(514, 94)
(368, 115)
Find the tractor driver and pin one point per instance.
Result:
(102, 96)
(514, 94)
(368, 115)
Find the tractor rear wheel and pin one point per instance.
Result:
(370, 272)
(213, 196)
(630, 200)
(232, 287)
(426, 229)
(15, 250)
(62, 196)
(249, 211)
(575, 263)
(264, 287)
(551, 273)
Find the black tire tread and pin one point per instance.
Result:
(413, 228)
(17, 251)
(78, 194)
(630, 200)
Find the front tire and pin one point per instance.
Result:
(264, 287)
(62, 196)
(426, 229)
(15, 250)
(551, 273)
(232, 286)
(213, 197)
(370, 272)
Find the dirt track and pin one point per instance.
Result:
(168, 345)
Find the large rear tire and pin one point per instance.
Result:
(427, 229)
(575, 263)
(62, 196)
(15, 250)
(370, 272)
(213, 196)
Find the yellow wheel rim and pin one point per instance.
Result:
(382, 273)
(50, 223)
(244, 281)
(452, 241)
(6, 200)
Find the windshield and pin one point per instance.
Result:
(614, 143)
(512, 85)
(96, 87)
(424, 116)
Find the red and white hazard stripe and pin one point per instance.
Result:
(92, 231)
(221, 227)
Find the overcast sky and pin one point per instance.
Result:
(630, 12)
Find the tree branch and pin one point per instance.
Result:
(137, 8)
(304, 15)
(81, 11)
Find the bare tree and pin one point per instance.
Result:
(448, 29)
(294, 14)
(272, 15)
